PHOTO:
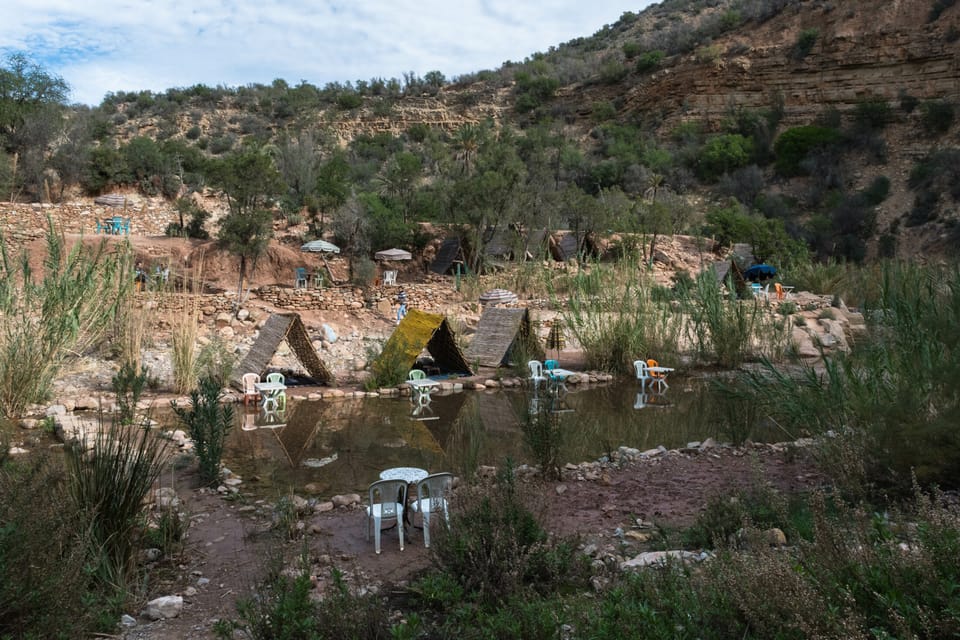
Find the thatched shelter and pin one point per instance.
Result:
(450, 252)
(503, 334)
(418, 331)
(729, 269)
(277, 328)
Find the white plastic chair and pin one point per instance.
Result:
(536, 373)
(432, 494)
(249, 391)
(276, 399)
(643, 373)
(389, 278)
(386, 501)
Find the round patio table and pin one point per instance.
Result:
(412, 475)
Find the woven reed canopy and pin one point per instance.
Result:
(497, 296)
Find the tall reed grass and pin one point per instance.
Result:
(110, 483)
(616, 321)
(890, 406)
(183, 337)
(52, 318)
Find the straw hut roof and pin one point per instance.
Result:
(277, 328)
(447, 254)
(418, 331)
(564, 248)
(729, 269)
(502, 334)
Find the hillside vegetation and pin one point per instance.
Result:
(805, 128)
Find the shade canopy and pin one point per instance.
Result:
(320, 246)
(392, 254)
(498, 296)
(760, 272)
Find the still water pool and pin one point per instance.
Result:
(341, 446)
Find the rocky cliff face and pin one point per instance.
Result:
(862, 50)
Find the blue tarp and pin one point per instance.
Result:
(759, 272)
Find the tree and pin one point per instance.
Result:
(251, 183)
(332, 187)
(25, 89)
(399, 178)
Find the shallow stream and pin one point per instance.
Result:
(332, 447)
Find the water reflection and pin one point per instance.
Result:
(341, 446)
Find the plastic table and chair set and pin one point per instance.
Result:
(549, 371)
(116, 225)
(387, 501)
(650, 371)
(272, 392)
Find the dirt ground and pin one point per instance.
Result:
(229, 541)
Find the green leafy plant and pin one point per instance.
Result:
(128, 384)
(208, 422)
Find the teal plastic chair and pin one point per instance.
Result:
(276, 376)
(416, 374)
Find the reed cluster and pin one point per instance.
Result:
(51, 318)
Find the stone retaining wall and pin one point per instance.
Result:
(21, 222)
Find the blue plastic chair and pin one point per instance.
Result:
(301, 278)
(117, 225)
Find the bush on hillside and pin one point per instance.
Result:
(795, 144)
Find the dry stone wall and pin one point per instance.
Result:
(21, 222)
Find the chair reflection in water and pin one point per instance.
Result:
(645, 399)
(536, 373)
(421, 407)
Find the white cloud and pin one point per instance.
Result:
(123, 45)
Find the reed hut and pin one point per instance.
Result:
(277, 328)
(504, 335)
(419, 331)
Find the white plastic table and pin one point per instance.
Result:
(412, 475)
(660, 379)
(269, 392)
(423, 387)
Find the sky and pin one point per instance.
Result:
(104, 46)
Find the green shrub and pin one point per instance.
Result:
(722, 154)
(759, 507)
(939, 6)
(937, 116)
(284, 608)
(878, 190)
(216, 361)
(496, 548)
(45, 548)
(872, 113)
(48, 321)
(128, 384)
(795, 144)
(804, 44)
(208, 422)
